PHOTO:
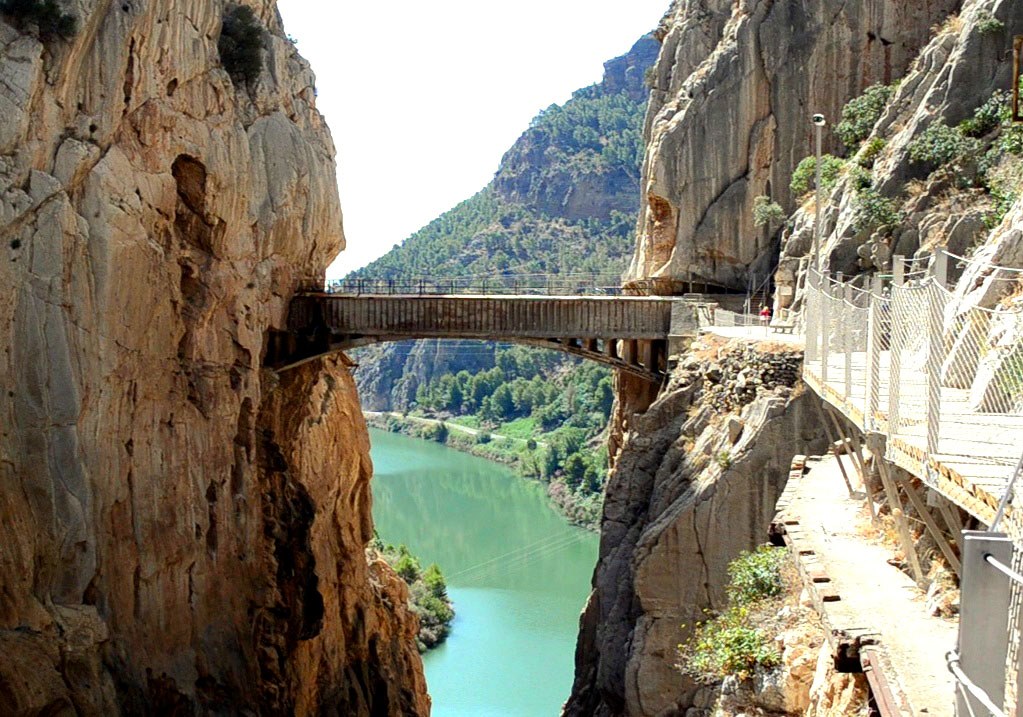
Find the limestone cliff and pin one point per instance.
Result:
(972, 203)
(728, 120)
(182, 530)
(696, 482)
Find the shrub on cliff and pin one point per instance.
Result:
(861, 114)
(806, 171)
(733, 643)
(428, 593)
(241, 43)
(939, 145)
(47, 15)
(767, 213)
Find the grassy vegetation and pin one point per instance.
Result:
(428, 593)
(734, 642)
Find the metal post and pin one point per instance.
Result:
(935, 356)
(983, 618)
(819, 122)
(941, 267)
(895, 360)
(873, 356)
(847, 334)
(811, 301)
(825, 330)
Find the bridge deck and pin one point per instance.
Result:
(488, 316)
(631, 333)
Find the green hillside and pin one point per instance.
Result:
(562, 204)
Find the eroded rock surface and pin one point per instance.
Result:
(180, 528)
(682, 501)
(734, 88)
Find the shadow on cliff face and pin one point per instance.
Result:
(294, 609)
(696, 482)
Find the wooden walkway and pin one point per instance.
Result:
(976, 451)
(630, 333)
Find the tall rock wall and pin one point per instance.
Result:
(182, 530)
(728, 120)
(695, 483)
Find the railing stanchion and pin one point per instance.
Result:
(983, 619)
(935, 346)
(847, 339)
(873, 354)
(825, 323)
(895, 341)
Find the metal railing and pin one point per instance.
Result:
(985, 664)
(578, 284)
(941, 377)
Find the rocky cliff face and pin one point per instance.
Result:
(742, 78)
(696, 482)
(970, 203)
(182, 529)
(728, 120)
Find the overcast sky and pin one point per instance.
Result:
(423, 98)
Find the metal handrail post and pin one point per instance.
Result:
(935, 346)
(847, 333)
(825, 327)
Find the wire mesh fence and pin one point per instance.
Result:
(941, 377)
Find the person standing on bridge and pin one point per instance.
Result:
(765, 315)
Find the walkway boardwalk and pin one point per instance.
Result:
(941, 381)
(877, 608)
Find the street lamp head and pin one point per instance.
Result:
(819, 120)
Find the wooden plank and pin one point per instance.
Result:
(932, 527)
(905, 537)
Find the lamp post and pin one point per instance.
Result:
(818, 123)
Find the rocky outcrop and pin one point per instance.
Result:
(535, 173)
(964, 65)
(182, 531)
(686, 495)
(728, 120)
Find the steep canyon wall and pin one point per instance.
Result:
(728, 120)
(733, 91)
(182, 529)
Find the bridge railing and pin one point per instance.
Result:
(941, 377)
(577, 284)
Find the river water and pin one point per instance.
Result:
(517, 573)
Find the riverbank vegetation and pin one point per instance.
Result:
(428, 593)
(541, 414)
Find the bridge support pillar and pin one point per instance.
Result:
(630, 351)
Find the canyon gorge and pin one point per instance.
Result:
(184, 529)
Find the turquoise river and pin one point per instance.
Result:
(517, 573)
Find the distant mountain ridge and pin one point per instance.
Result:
(564, 196)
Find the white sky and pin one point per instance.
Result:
(423, 98)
